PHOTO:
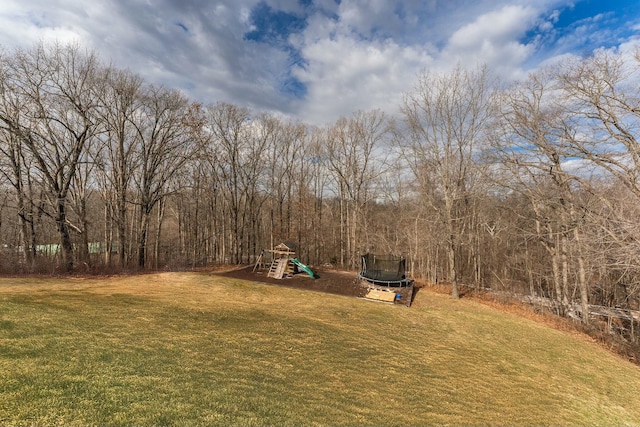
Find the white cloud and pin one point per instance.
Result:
(367, 16)
(23, 27)
(344, 75)
(500, 26)
(493, 39)
(354, 54)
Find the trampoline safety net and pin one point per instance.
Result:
(387, 268)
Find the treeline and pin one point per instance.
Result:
(531, 188)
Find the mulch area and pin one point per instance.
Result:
(328, 280)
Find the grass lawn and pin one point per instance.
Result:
(192, 349)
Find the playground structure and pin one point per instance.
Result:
(284, 262)
(385, 279)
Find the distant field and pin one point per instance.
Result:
(192, 349)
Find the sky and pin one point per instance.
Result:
(318, 60)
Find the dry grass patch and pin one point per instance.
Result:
(191, 349)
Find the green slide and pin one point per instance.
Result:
(303, 267)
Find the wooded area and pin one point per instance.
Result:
(530, 187)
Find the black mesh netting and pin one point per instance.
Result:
(386, 268)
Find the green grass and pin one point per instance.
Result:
(190, 349)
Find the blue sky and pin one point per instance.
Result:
(317, 60)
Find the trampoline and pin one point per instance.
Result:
(384, 270)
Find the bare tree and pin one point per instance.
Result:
(14, 165)
(446, 118)
(354, 164)
(284, 150)
(534, 150)
(597, 104)
(121, 112)
(56, 84)
(239, 144)
(612, 242)
(80, 192)
(602, 98)
(166, 144)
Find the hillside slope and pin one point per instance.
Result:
(195, 349)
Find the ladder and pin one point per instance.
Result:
(278, 266)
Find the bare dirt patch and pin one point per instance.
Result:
(329, 281)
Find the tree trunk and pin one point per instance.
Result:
(160, 219)
(142, 238)
(122, 228)
(453, 270)
(557, 282)
(108, 235)
(65, 236)
(582, 279)
(23, 224)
